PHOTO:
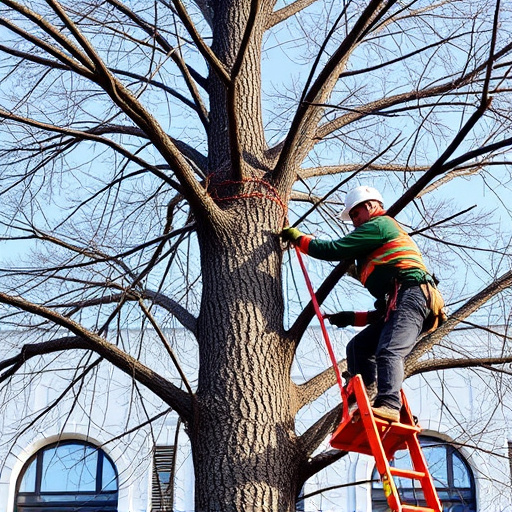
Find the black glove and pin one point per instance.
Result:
(342, 319)
(290, 234)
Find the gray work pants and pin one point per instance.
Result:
(379, 350)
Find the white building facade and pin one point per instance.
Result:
(97, 447)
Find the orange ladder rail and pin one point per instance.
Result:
(363, 432)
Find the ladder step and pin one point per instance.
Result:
(397, 428)
(407, 473)
(413, 508)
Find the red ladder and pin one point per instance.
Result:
(360, 431)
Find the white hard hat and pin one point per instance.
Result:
(357, 196)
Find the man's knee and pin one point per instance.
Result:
(392, 354)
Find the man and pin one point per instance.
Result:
(390, 266)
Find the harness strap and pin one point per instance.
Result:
(322, 324)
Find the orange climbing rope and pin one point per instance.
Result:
(257, 188)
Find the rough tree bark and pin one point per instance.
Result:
(244, 389)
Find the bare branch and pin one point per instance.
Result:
(167, 346)
(321, 461)
(197, 158)
(437, 168)
(319, 89)
(233, 91)
(84, 135)
(492, 48)
(166, 88)
(27, 56)
(304, 197)
(153, 32)
(87, 340)
(331, 455)
(384, 103)
(401, 58)
(216, 65)
(452, 363)
(195, 193)
(57, 401)
(317, 433)
(52, 31)
(315, 387)
(470, 155)
(183, 316)
(55, 52)
(463, 246)
(98, 258)
(288, 11)
(342, 182)
(440, 222)
(328, 170)
(137, 427)
(427, 342)
(93, 59)
(33, 58)
(206, 10)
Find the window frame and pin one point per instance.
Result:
(94, 500)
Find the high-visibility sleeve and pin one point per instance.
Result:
(303, 243)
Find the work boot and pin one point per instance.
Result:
(371, 391)
(353, 406)
(351, 400)
(387, 413)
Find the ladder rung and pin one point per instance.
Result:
(398, 428)
(413, 508)
(407, 473)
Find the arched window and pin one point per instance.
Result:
(66, 476)
(452, 476)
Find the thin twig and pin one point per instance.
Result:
(341, 183)
(167, 346)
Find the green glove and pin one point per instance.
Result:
(342, 319)
(290, 234)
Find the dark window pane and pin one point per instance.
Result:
(437, 464)
(68, 474)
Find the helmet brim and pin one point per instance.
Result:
(344, 215)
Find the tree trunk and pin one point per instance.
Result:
(244, 390)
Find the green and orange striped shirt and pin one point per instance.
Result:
(383, 252)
